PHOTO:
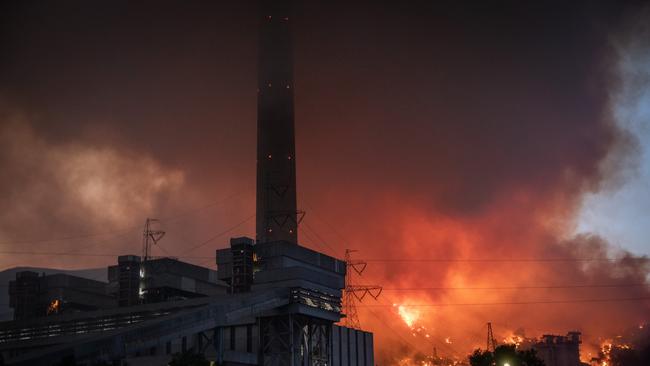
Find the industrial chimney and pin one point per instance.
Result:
(277, 216)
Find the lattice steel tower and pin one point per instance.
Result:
(277, 215)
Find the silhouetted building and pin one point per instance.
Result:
(124, 280)
(162, 279)
(236, 265)
(283, 300)
(31, 295)
(559, 350)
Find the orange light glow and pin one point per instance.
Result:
(54, 307)
(408, 315)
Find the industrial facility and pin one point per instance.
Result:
(557, 350)
(270, 301)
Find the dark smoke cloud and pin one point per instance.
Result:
(424, 130)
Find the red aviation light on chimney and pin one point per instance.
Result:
(276, 179)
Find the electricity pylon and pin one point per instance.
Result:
(491, 343)
(149, 237)
(352, 292)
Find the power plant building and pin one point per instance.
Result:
(270, 301)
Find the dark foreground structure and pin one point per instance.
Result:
(271, 301)
(558, 350)
(286, 317)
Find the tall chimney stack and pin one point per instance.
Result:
(277, 217)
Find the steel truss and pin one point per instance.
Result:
(295, 340)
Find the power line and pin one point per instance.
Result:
(316, 242)
(209, 205)
(518, 287)
(504, 260)
(320, 243)
(393, 331)
(127, 229)
(86, 254)
(199, 245)
(449, 347)
(520, 302)
(73, 237)
(311, 242)
(331, 227)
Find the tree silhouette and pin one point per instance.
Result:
(505, 355)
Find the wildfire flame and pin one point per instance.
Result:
(408, 315)
(606, 350)
(514, 339)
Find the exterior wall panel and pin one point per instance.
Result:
(370, 357)
(336, 346)
(345, 353)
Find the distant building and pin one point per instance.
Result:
(32, 295)
(124, 280)
(559, 350)
(162, 279)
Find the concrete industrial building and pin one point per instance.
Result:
(271, 301)
(558, 350)
(167, 279)
(32, 295)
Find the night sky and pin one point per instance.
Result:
(424, 130)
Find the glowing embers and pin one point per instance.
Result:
(611, 349)
(54, 307)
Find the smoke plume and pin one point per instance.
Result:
(465, 137)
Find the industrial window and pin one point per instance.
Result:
(232, 338)
(184, 345)
(168, 347)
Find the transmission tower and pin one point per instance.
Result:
(491, 343)
(354, 292)
(149, 237)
